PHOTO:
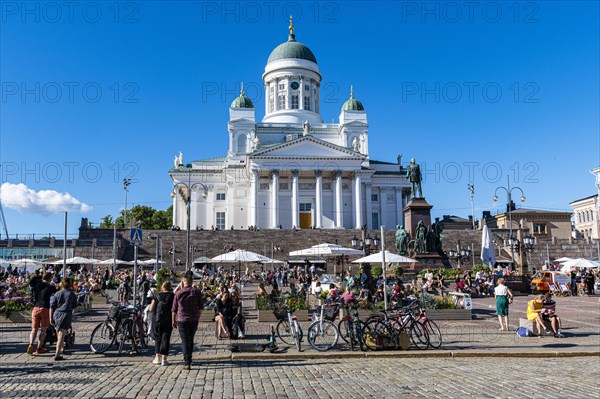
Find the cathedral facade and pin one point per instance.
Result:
(291, 170)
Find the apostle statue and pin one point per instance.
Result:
(413, 172)
(421, 238)
(401, 240)
(356, 144)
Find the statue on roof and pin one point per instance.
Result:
(180, 158)
(356, 144)
(306, 127)
(255, 143)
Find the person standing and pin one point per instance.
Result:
(186, 309)
(61, 313)
(502, 294)
(161, 306)
(40, 315)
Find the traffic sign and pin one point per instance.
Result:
(135, 236)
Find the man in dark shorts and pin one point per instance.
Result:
(40, 315)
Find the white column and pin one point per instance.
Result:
(253, 198)
(208, 208)
(276, 94)
(358, 201)
(193, 210)
(339, 216)
(383, 205)
(229, 208)
(288, 100)
(313, 95)
(369, 205)
(275, 200)
(399, 213)
(267, 92)
(318, 199)
(175, 209)
(301, 94)
(295, 209)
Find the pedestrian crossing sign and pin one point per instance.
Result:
(135, 236)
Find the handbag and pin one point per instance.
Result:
(510, 300)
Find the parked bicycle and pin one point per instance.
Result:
(123, 324)
(288, 327)
(322, 333)
(351, 328)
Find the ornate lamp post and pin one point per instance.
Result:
(471, 188)
(509, 204)
(460, 254)
(186, 193)
(126, 184)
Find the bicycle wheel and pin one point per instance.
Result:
(102, 337)
(377, 335)
(418, 336)
(343, 329)
(322, 335)
(359, 332)
(434, 333)
(138, 337)
(284, 332)
(298, 336)
(125, 333)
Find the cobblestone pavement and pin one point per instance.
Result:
(351, 378)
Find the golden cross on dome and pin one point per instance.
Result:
(291, 28)
(242, 90)
(351, 92)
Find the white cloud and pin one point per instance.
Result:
(23, 199)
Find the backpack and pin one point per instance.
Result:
(162, 310)
(524, 332)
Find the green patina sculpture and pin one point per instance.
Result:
(413, 172)
(421, 238)
(401, 240)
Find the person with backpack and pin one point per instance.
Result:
(187, 305)
(161, 306)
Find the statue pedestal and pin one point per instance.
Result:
(430, 261)
(415, 211)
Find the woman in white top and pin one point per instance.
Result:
(502, 294)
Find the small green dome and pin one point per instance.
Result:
(292, 49)
(352, 104)
(242, 101)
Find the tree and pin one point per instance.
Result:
(150, 218)
(106, 222)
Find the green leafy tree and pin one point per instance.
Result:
(106, 222)
(150, 218)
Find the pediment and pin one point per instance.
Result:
(307, 147)
(356, 124)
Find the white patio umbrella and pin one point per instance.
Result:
(389, 258)
(582, 263)
(563, 259)
(240, 256)
(30, 265)
(326, 250)
(3, 263)
(79, 260)
(113, 261)
(488, 253)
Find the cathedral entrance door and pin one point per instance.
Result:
(305, 215)
(305, 220)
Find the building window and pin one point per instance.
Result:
(281, 102)
(539, 228)
(264, 186)
(307, 87)
(281, 86)
(241, 144)
(294, 102)
(374, 197)
(375, 220)
(283, 186)
(220, 220)
(307, 103)
(326, 186)
(271, 104)
(220, 196)
(305, 207)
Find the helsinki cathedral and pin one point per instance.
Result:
(291, 169)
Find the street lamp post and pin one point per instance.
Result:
(460, 254)
(189, 187)
(366, 243)
(126, 184)
(509, 205)
(471, 187)
(156, 237)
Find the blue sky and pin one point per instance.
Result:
(98, 92)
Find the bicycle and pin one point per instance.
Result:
(322, 333)
(351, 329)
(289, 328)
(124, 323)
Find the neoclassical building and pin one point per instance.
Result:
(291, 169)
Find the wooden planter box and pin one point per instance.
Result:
(267, 316)
(20, 317)
(449, 314)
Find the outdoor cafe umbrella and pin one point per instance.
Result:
(29, 264)
(240, 256)
(488, 253)
(582, 263)
(327, 250)
(563, 259)
(389, 258)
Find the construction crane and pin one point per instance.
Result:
(3, 220)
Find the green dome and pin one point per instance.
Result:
(242, 101)
(292, 49)
(352, 104)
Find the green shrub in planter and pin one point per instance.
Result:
(376, 271)
(445, 303)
